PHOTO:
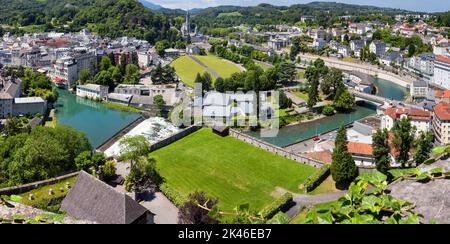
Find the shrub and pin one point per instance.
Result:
(49, 204)
(314, 180)
(279, 205)
(175, 197)
(109, 170)
(328, 110)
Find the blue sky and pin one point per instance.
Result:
(418, 5)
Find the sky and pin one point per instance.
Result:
(416, 5)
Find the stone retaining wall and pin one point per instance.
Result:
(175, 137)
(275, 150)
(16, 190)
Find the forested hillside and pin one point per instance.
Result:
(112, 18)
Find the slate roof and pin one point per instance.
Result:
(432, 199)
(93, 200)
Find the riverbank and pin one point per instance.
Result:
(122, 107)
(404, 81)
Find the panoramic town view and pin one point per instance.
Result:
(224, 112)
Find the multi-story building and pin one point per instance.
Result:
(420, 119)
(66, 71)
(442, 71)
(419, 89)
(29, 106)
(377, 47)
(441, 123)
(92, 91)
(10, 88)
(422, 64)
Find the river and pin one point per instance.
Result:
(293, 134)
(97, 121)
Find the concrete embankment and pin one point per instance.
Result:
(120, 134)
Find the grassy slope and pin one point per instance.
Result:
(42, 192)
(229, 169)
(187, 69)
(222, 67)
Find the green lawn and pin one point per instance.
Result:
(328, 185)
(222, 67)
(187, 69)
(229, 169)
(42, 192)
(302, 95)
(438, 150)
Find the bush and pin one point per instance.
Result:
(173, 196)
(281, 204)
(50, 204)
(328, 110)
(314, 180)
(109, 170)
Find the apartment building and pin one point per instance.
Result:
(442, 71)
(441, 123)
(420, 119)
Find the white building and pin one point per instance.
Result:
(422, 64)
(377, 47)
(92, 91)
(29, 106)
(10, 88)
(442, 71)
(441, 123)
(144, 59)
(419, 89)
(420, 119)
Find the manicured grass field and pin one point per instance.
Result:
(229, 169)
(187, 69)
(222, 67)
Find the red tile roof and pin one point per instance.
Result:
(442, 111)
(443, 94)
(323, 156)
(360, 148)
(444, 59)
(413, 114)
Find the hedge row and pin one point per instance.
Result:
(281, 204)
(176, 198)
(314, 180)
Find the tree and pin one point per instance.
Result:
(84, 161)
(381, 150)
(158, 100)
(141, 171)
(285, 102)
(403, 140)
(192, 213)
(286, 71)
(411, 50)
(343, 167)
(344, 100)
(109, 170)
(219, 85)
(85, 75)
(207, 82)
(105, 63)
(424, 144)
(112, 58)
(328, 111)
(163, 75)
(132, 74)
(133, 147)
(332, 81)
(160, 46)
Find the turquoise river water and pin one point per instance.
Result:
(293, 134)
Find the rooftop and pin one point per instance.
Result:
(360, 148)
(443, 59)
(27, 100)
(442, 111)
(94, 200)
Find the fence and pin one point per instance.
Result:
(15, 190)
(275, 150)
